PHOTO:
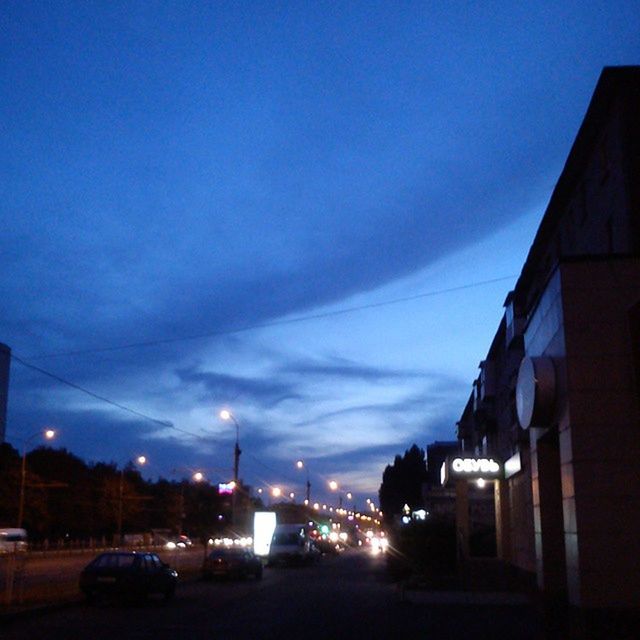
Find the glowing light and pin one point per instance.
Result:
(475, 465)
(276, 492)
(225, 414)
(481, 482)
(49, 434)
(333, 485)
(141, 460)
(225, 488)
(264, 524)
(198, 476)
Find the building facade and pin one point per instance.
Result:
(558, 395)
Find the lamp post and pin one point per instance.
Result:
(227, 415)
(49, 434)
(333, 485)
(197, 477)
(301, 465)
(141, 460)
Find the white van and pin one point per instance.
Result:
(291, 544)
(13, 540)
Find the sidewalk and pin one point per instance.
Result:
(489, 585)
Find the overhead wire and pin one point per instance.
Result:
(170, 425)
(275, 323)
(163, 423)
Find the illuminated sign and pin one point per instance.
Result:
(226, 488)
(475, 465)
(264, 524)
(459, 467)
(513, 465)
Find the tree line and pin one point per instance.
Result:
(67, 499)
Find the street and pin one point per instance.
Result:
(345, 596)
(50, 577)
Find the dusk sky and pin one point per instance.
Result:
(308, 213)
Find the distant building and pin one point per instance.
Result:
(558, 394)
(5, 361)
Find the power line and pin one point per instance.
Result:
(77, 387)
(168, 424)
(275, 323)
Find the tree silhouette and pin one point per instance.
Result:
(402, 482)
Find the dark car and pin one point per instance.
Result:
(232, 562)
(130, 575)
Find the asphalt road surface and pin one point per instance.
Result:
(346, 596)
(51, 577)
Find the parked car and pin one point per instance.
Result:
(13, 540)
(132, 575)
(231, 562)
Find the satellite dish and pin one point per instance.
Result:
(535, 392)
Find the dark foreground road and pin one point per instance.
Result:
(342, 597)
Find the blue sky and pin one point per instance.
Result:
(198, 175)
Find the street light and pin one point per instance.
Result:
(49, 434)
(227, 415)
(301, 465)
(333, 485)
(197, 477)
(140, 460)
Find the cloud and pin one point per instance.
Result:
(337, 367)
(225, 388)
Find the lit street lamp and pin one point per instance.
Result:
(227, 415)
(301, 465)
(140, 460)
(333, 485)
(49, 434)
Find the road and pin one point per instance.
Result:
(344, 596)
(50, 577)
